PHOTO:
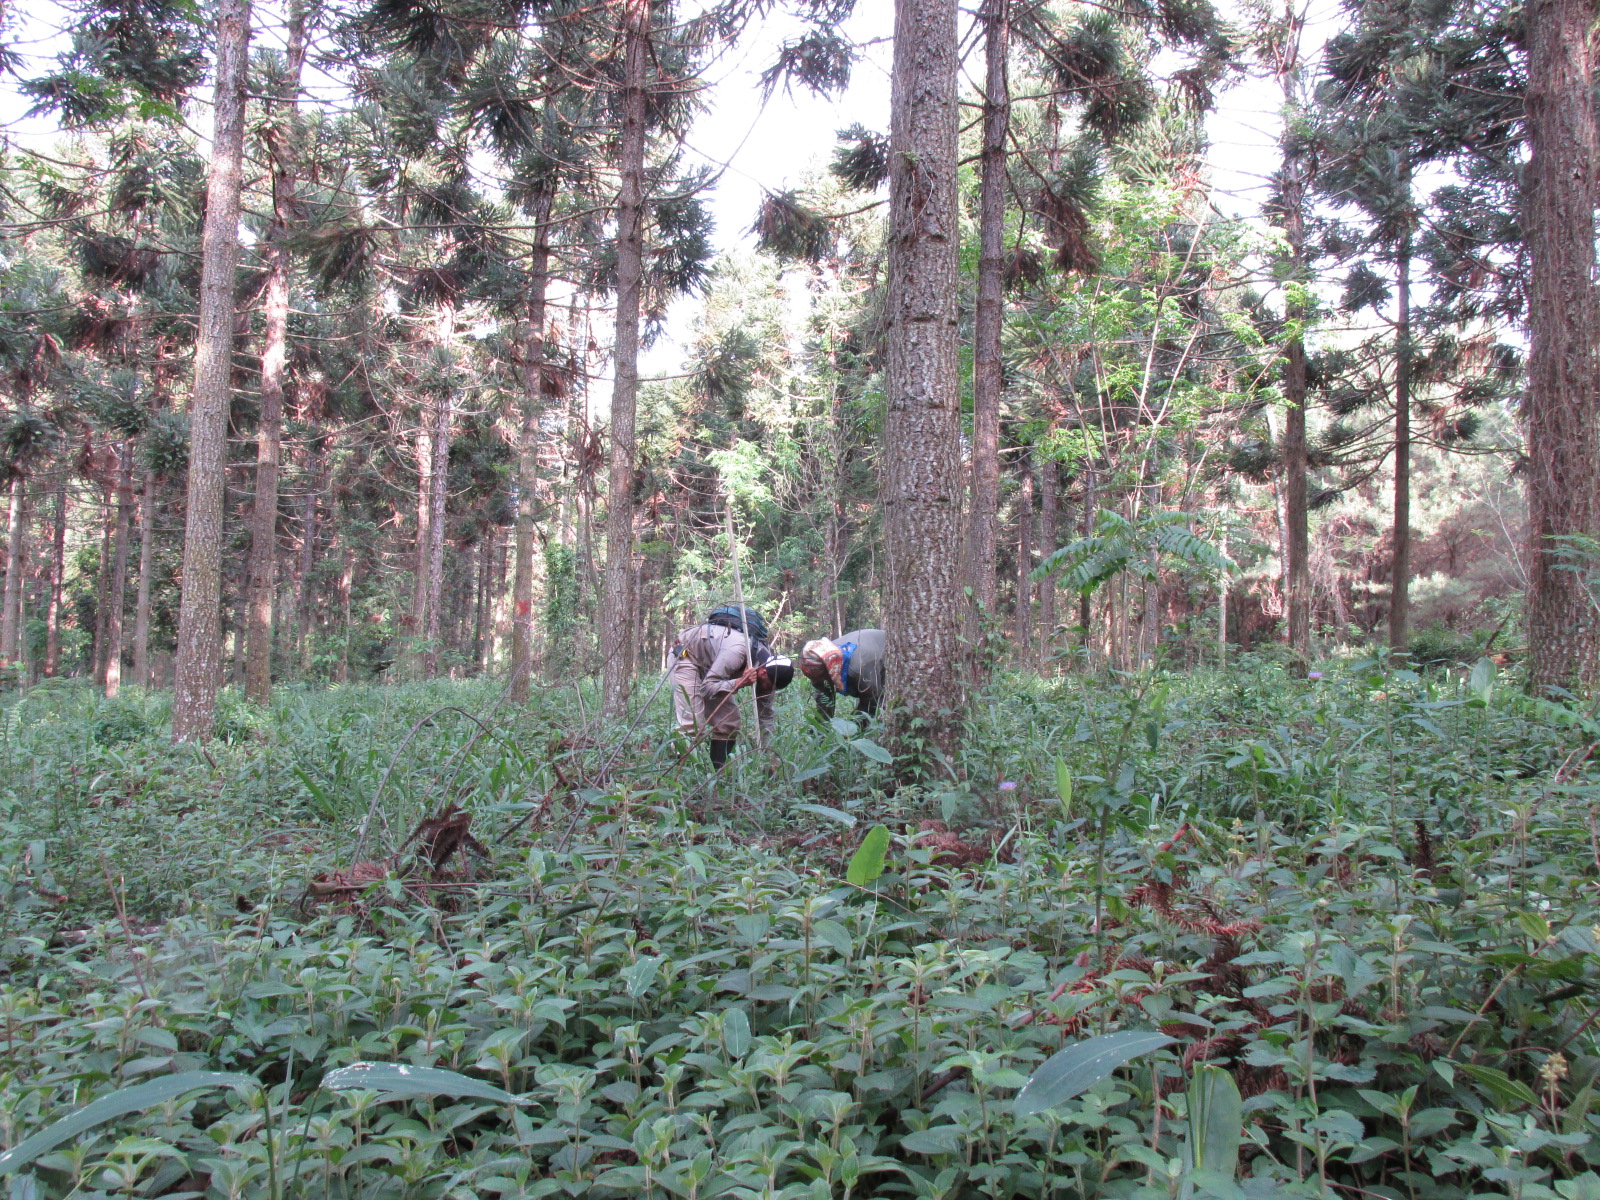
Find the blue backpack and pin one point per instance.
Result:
(728, 616)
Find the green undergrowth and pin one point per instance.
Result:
(1370, 898)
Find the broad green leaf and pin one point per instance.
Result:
(1575, 1118)
(843, 728)
(1481, 682)
(1216, 1120)
(1499, 1086)
(1382, 1101)
(118, 1103)
(833, 935)
(941, 1139)
(872, 750)
(736, 1033)
(641, 974)
(1082, 1065)
(867, 862)
(1064, 788)
(403, 1079)
(1431, 1121)
(1535, 926)
(832, 814)
(1580, 1187)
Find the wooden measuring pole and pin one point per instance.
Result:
(744, 620)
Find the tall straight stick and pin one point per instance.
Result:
(744, 619)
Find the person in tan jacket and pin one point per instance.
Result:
(710, 663)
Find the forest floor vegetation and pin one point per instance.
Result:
(1353, 919)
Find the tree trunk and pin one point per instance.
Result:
(500, 630)
(280, 139)
(987, 375)
(236, 627)
(119, 570)
(528, 454)
(102, 592)
(1049, 481)
(483, 557)
(921, 488)
(1294, 539)
(1400, 572)
(16, 564)
(418, 617)
(1150, 634)
(345, 576)
(491, 607)
(58, 570)
(194, 700)
(1296, 535)
(838, 474)
(310, 529)
(1280, 502)
(437, 503)
(1025, 561)
(618, 621)
(1563, 499)
(1087, 519)
(1222, 612)
(141, 603)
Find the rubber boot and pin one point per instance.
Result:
(719, 752)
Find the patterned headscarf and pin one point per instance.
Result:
(820, 660)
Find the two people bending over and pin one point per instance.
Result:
(729, 650)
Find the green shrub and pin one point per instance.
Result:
(1366, 900)
(1440, 646)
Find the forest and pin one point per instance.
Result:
(1053, 653)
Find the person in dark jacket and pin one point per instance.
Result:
(710, 663)
(852, 666)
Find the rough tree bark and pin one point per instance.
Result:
(418, 617)
(1400, 565)
(310, 530)
(194, 701)
(102, 592)
(342, 672)
(522, 625)
(16, 563)
(618, 620)
(987, 376)
(483, 560)
(501, 632)
(1563, 446)
(280, 139)
(58, 569)
(1086, 527)
(1025, 560)
(119, 569)
(921, 484)
(141, 603)
(1294, 539)
(443, 412)
(1296, 534)
(1049, 483)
